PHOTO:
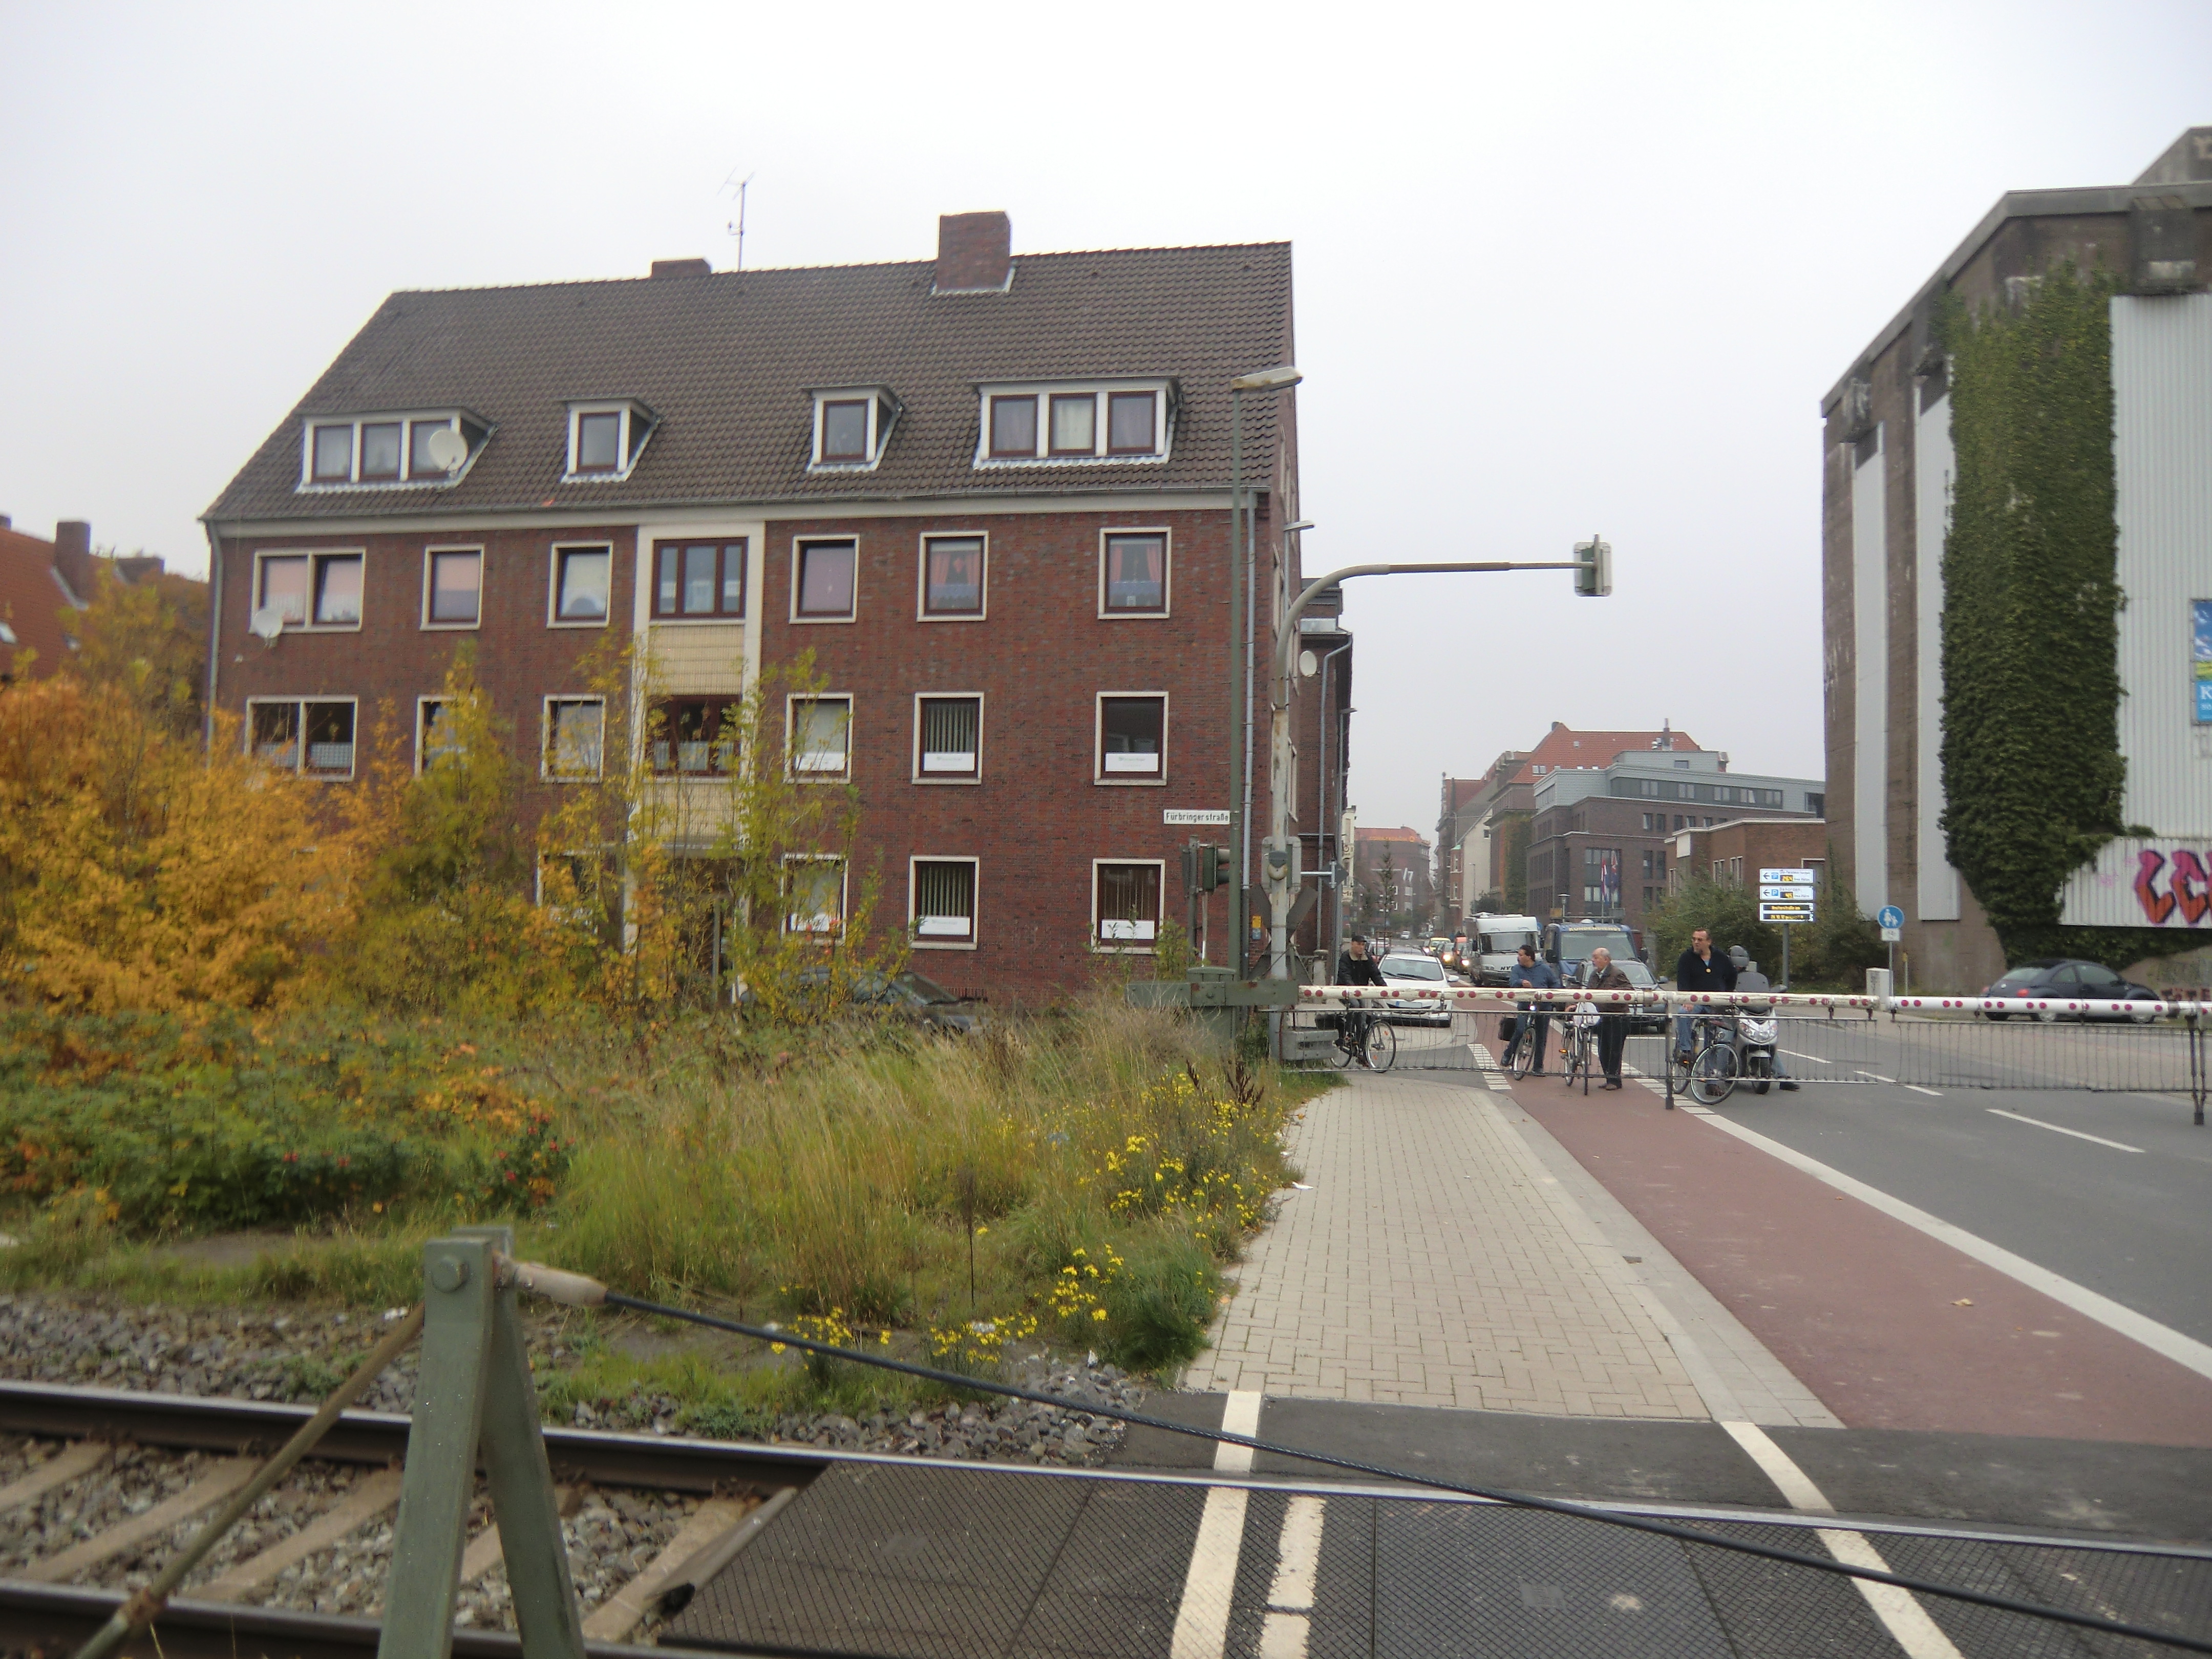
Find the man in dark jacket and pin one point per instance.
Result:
(1701, 969)
(1356, 967)
(1612, 1023)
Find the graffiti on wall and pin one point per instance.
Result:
(2142, 884)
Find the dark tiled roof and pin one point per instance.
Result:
(726, 361)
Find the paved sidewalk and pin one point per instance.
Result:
(1436, 1262)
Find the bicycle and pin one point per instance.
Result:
(1521, 1050)
(1708, 1076)
(1365, 1039)
(1578, 1046)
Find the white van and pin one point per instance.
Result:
(1497, 938)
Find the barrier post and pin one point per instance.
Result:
(2197, 1078)
(474, 1396)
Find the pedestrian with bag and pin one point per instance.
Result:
(1612, 1023)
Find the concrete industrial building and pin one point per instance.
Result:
(1888, 491)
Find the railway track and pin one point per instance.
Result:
(98, 1485)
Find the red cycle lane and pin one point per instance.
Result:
(1890, 1328)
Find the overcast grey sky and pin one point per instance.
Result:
(1559, 269)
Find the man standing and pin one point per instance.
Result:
(1612, 1023)
(1701, 969)
(1535, 1021)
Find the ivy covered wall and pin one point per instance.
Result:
(2032, 774)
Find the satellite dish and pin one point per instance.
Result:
(266, 623)
(448, 448)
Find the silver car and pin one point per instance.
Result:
(1419, 979)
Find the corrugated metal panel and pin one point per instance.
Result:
(1938, 896)
(2162, 444)
(1870, 691)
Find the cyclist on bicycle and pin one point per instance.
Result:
(1535, 1017)
(1701, 969)
(1356, 967)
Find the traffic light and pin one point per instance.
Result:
(1594, 567)
(1204, 868)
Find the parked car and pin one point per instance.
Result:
(908, 995)
(1644, 1020)
(1424, 977)
(2066, 979)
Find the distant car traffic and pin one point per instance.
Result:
(1423, 977)
(2066, 979)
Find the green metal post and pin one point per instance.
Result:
(474, 1389)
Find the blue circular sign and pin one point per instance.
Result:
(1890, 916)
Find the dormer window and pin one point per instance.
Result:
(605, 440)
(382, 451)
(852, 425)
(1115, 421)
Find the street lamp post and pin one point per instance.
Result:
(1279, 872)
(1242, 536)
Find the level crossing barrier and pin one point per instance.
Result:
(1925, 1043)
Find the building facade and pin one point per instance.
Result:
(1888, 471)
(1392, 885)
(975, 512)
(1733, 851)
(1601, 845)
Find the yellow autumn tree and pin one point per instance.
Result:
(138, 871)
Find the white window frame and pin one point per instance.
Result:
(1140, 948)
(1164, 393)
(1166, 534)
(429, 563)
(844, 894)
(545, 772)
(639, 423)
(922, 612)
(883, 411)
(300, 767)
(553, 617)
(798, 545)
(477, 430)
(423, 704)
(940, 778)
(1098, 773)
(315, 557)
(792, 771)
(913, 897)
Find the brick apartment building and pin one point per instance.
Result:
(1600, 846)
(990, 496)
(1734, 851)
(1392, 882)
(1484, 817)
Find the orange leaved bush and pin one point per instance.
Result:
(138, 871)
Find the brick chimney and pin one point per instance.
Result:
(73, 557)
(975, 252)
(682, 268)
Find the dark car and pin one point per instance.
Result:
(1643, 1021)
(2062, 980)
(909, 994)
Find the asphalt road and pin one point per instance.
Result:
(2131, 1224)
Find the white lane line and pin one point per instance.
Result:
(2185, 1350)
(1899, 1610)
(1815, 1058)
(1935, 1094)
(1284, 1631)
(2061, 1129)
(1201, 1626)
(1877, 1076)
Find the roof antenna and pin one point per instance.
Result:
(737, 228)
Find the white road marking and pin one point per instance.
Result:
(1284, 1631)
(2061, 1129)
(1899, 1610)
(2163, 1339)
(1877, 1077)
(1201, 1626)
(1933, 1093)
(1815, 1058)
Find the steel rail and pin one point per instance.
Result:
(1479, 999)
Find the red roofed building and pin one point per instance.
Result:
(36, 586)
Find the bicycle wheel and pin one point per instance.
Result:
(1521, 1055)
(1382, 1045)
(1712, 1073)
(1347, 1049)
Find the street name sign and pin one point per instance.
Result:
(1193, 815)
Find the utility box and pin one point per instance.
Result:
(1878, 982)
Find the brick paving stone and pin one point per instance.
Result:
(1433, 1264)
